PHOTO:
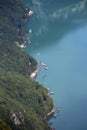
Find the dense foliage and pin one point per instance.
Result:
(19, 94)
(23, 102)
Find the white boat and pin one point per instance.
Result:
(51, 93)
(48, 89)
(30, 30)
(46, 68)
(43, 64)
(30, 13)
(22, 46)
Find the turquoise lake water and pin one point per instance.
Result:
(59, 39)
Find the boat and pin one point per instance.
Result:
(48, 89)
(30, 13)
(46, 68)
(22, 46)
(30, 30)
(43, 64)
(51, 93)
(59, 109)
(54, 115)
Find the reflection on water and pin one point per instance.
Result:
(58, 39)
(49, 24)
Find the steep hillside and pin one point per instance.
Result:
(13, 17)
(23, 102)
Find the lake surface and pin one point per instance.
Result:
(59, 39)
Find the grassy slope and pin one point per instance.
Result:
(19, 95)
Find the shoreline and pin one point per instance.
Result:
(49, 113)
(34, 73)
(24, 99)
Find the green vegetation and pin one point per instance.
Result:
(19, 94)
(23, 102)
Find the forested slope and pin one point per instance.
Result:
(23, 102)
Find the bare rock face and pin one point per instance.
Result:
(17, 118)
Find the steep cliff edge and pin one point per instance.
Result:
(23, 102)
